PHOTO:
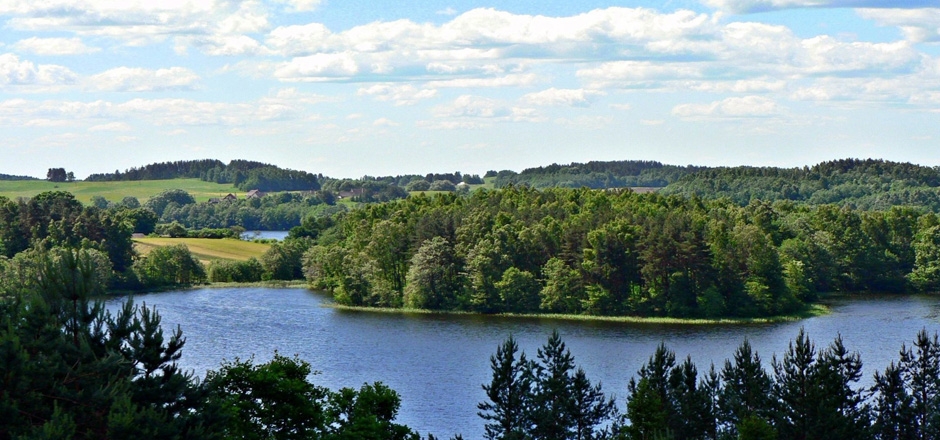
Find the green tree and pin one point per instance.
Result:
(433, 279)
(508, 394)
(169, 266)
(745, 392)
(518, 291)
(563, 290)
(366, 414)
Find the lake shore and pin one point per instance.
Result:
(811, 311)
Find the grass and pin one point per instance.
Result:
(206, 249)
(811, 311)
(115, 191)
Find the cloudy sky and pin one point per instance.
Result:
(350, 88)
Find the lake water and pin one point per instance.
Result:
(438, 362)
(277, 235)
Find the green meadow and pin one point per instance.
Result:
(206, 249)
(115, 191)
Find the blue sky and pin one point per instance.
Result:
(353, 88)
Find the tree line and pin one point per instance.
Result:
(808, 393)
(520, 250)
(595, 175)
(70, 369)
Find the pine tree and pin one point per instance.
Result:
(509, 393)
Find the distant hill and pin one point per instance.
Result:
(597, 175)
(870, 184)
(12, 177)
(243, 174)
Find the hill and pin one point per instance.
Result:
(116, 190)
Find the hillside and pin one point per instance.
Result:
(117, 190)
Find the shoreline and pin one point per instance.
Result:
(812, 310)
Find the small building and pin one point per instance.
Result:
(214, 200)
(254, 194)
(351, 193)
(230, 197)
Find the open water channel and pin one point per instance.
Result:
(438, 362)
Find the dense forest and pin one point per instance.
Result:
(863, 184)
(596, 175)
(581, 251)
(244, 175)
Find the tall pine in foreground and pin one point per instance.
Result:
(70, 369)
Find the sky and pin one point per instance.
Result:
(353, 88)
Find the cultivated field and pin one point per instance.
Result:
(115, 191)
(207, 249)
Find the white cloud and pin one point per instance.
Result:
(138, 22)
(513, 80)
(749, 6)
(469, 107)
(447, 11)
(111, 126)
(918, 25)
(318, 67)
(54, 46)
(729, 108)
(405, 94)
(126, 79)
(300, 5)
(385, 122)
(651, 122)
(15, 72)
(566, 97)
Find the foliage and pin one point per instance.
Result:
(619, 253)
(169, 266)
(274, 400)
(70, 369)
(542, 399)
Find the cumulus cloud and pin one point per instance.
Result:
(729, 108)
(918, 25)
(469, 110)
(54, 46)
(138, 22)
(563, 97)
(126, 79)
(385, 122)
(404, 94)
(111, 126)
(16, 72)
(300, 5)
(750, 6)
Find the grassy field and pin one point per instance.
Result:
(115, 191)
(206, 249)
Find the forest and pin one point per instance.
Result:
(71, 369)
(581, 251)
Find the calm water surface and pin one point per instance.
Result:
(438, 362)
(277, 235)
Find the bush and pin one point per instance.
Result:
(221, 271)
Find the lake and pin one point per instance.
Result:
(277, 235)
(438, 362)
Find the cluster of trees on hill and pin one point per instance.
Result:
(864, 184)
(243, 174)
(596, 174)
(273, 212)
(619, 253)
(55, 222)
(810, 393)
(14, 177)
